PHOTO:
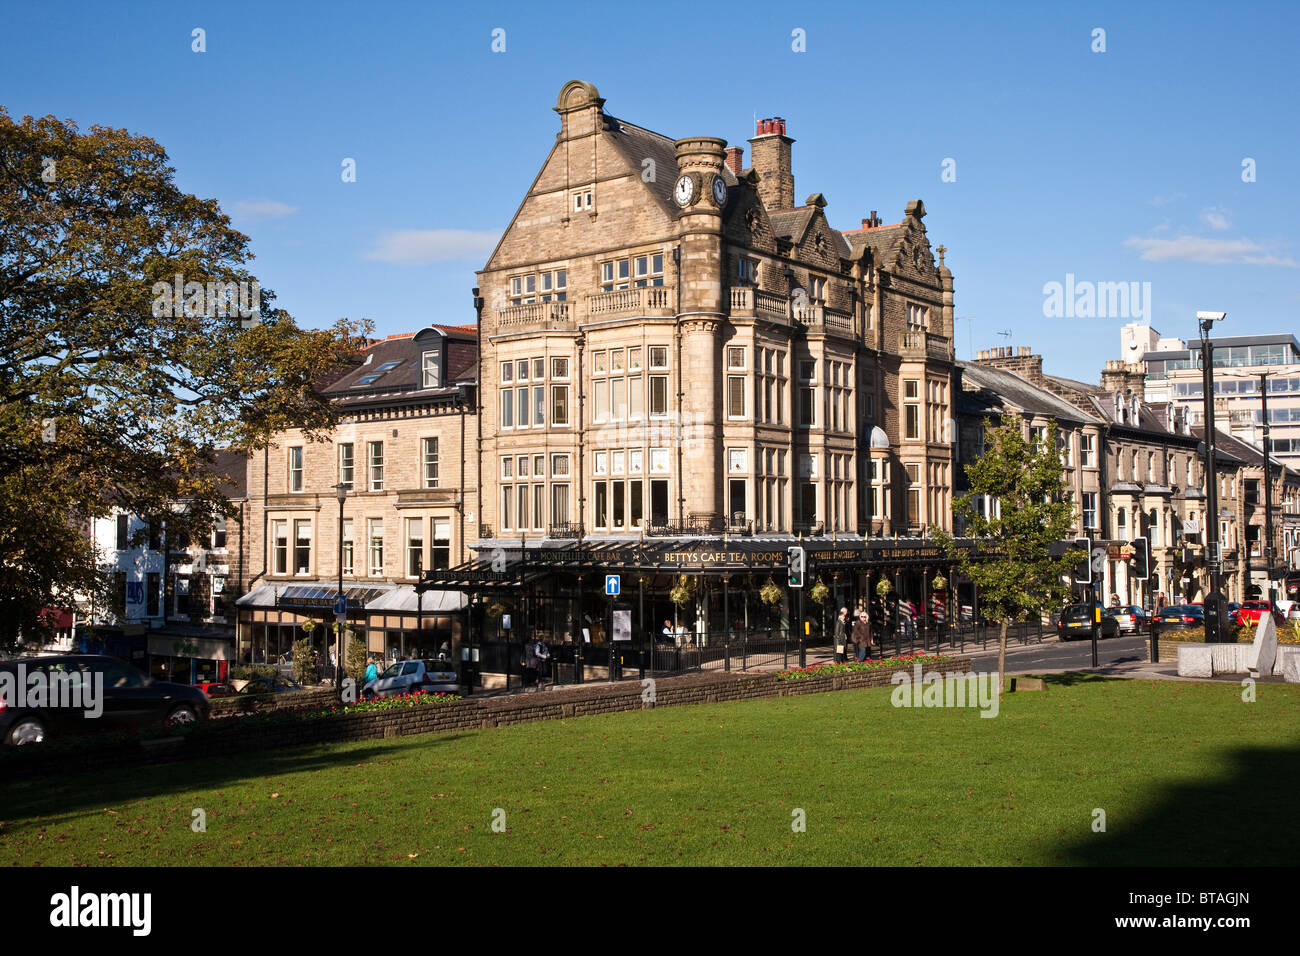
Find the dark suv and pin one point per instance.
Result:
(1076, 622)
(74, 704)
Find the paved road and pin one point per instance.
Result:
(1061, 654)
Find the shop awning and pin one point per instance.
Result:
(311, 596)
(404, 600)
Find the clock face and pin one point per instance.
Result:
(684, 191)
(719, 191)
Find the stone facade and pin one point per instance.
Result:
(712, 356)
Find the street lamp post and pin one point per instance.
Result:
(342, 490)
(1215, 622)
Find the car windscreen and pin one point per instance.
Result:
(1078, 612)
(392, 671)
(439, 667)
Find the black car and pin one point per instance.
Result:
(270, 685)
(1180, 617)
(1076, 622)
(95, 693)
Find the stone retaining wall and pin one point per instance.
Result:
(235, 735)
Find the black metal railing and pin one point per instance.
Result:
(485, 531)
(810, 528)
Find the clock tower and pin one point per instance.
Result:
(702, 194)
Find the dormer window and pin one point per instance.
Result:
(431, 370)
(918, 318)
(746, 271)
(583, 200)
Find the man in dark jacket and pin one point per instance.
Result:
(862, 635)
(841, 635)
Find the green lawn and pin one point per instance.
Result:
(1186, 773)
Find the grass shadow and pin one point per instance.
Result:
(1245, 817)
(79, 791)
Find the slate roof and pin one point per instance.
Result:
(882, 240)
(636, 144)
(396, 361)
(1017, 391)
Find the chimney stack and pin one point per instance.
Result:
(734, 159)
(770, 154)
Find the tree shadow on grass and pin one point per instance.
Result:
(54, 795)
(1244, 817)
(1071, 678)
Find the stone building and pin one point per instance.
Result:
(172, 607)
(404, 454)
(674, 352)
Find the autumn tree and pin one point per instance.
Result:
(1017, 561)
(112, 394)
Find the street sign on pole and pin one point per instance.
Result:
(612, 585)
(341, 606)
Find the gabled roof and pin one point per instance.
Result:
(1010, 388)
(637, 144)
(883, 241)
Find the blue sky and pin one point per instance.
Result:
(1115, 166)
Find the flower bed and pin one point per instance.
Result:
(418, 698)
(852, 667)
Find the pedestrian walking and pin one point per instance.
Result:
(862, 636)
(841, 635)
(372, 672)
(541, 655)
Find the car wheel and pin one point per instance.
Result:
(183, 716)
(26, 730)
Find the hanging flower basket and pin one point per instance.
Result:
(496, 609)
(769, 593)
(883, 587)
(309, 626)
(940, 583)
(819, 592)
(683, 591)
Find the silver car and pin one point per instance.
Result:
(435, 676)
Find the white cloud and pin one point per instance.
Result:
(1216, 217)
(263, 209)
(1216, 251)
(1166, 200)
(423, 246)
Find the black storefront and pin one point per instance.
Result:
(687, 602)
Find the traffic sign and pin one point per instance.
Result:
(341, 606)
(612, 585)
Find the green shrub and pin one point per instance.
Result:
(356, 658)
(304, 662)
(249, 671)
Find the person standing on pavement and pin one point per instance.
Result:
(862, 635)
(841, 635)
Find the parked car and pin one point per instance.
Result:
(1130, 618)
(1076, 622)
(1252, 611)
(269, 685)
(131, 699)
(217, 690)
(1180, 617)
(437, 676)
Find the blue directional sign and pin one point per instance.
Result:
(341, 605)
(611, 585)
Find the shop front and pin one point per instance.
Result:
(683, 593)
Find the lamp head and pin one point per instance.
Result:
(342, 490)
